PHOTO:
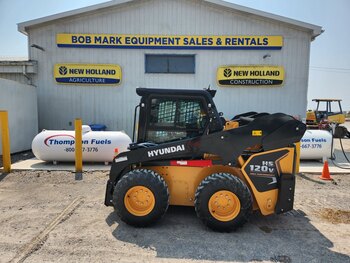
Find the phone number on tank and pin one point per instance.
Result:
(311, 146)
(85, 149)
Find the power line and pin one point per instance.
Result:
(329, 68)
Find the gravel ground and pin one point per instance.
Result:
(53, 217)
(39, 223)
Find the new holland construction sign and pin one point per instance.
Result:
(257, 75)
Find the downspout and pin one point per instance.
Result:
(24, 72)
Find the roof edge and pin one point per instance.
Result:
(315, 29)
(17, 62)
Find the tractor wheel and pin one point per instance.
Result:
(141, 197)
(223, 202)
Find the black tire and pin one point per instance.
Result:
(223, 182)
(145, 178)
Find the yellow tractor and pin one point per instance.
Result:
(327, 111)
(187, 154)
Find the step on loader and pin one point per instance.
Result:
(187, 154)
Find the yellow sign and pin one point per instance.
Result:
(257, 133)
(169, 41)
(250, 76)
(88, 74)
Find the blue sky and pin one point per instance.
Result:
(330, 57)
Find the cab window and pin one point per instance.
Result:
(175, 118)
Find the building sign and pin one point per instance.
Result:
(168, 41)
(250, 76)
(89, 74)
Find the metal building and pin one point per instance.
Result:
(91, 60)
(21, 71)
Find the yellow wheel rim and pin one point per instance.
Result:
(224, 205)
(139, 200)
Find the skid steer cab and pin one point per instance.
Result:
(187, 154)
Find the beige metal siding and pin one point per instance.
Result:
(20, 101)
(20, 71)
(113, 106)
(19, 77)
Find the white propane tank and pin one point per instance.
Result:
(98, 146)
(315, 145)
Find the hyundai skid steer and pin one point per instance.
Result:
(187, 154)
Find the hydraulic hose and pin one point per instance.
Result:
(342, 148)
(344, 153)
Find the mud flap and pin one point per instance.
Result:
(109, 194)
(286, 189)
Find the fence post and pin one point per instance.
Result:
(78, 146)
(6, 154)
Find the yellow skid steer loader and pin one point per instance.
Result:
(187, 154)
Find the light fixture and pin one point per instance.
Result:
(38, 47)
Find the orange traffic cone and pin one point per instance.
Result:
(325, 172)
(116, 152)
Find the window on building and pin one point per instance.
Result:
(176, 64)
(172, 119)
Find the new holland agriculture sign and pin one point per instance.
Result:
(250, 76)
(168, 41)
(90, 74)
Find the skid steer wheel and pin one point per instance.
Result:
(141, 197)
(223, 202)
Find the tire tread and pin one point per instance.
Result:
(223, 181)
(147, 178)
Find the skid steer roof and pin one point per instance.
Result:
(145, 92)
(318, 100)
